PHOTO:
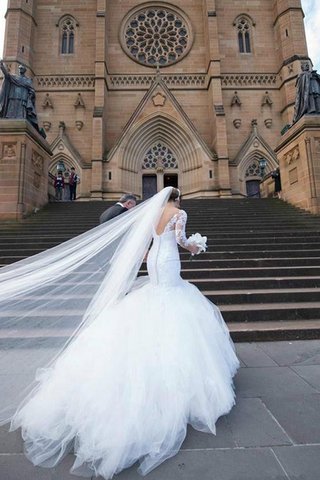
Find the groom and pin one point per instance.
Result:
(126, 202)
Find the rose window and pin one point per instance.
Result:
(160, 156)
(156, 36)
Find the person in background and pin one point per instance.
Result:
(66, 176)
(126, 202)
(59, 185)
(73, 181)
(277, 182)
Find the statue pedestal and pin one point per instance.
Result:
(299, 161)
(24, 156)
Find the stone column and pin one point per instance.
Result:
(299, 160)
(20, 34)
(24, 159)
(216, 112)
(99, 120)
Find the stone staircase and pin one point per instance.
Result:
(262, 267)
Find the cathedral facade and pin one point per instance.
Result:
(140, 95)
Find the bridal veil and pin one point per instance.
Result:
(46, 300)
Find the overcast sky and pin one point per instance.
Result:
(312, 20)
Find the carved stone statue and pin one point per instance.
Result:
(17, 96)
(308, 93)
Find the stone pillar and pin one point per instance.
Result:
(160, 179)
(24, 158)
(99, 120)
(20, 34)
(299, 160)
(216, 112)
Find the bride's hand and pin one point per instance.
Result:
(193, 248)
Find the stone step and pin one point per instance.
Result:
(209, 224)
(262, 267)
(274, 330)
(240, 332)
(252, 272)
(271, 312)
(208, 265)
(249, 312)
(257, 283)
(258, 296)
(265, 243)
(219, 297)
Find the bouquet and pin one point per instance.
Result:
(200, 241)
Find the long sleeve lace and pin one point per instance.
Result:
(181, 229)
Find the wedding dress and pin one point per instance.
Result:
(126, 388)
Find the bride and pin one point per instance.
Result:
(143, 358)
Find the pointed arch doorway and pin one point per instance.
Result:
(159, 169)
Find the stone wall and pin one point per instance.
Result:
(299, 160)
(24, 158)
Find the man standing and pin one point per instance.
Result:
(59, 186)
(126, 202)
(73, 181)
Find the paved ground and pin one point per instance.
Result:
(273, 433)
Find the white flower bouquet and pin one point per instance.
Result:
(200, 241)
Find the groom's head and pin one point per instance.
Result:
(128, 200)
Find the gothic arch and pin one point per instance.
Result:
(68, 161)
(246, 16)
(65, 17)
(164, 129)
(252, 158)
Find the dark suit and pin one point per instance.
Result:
(112, 212)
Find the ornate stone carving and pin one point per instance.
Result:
(66, 81)
(46, 125)
(237, 122)
(266, 100)
(79, 124)
(292, 156)
(138, 81)
(37, 161)
(293, 176)
(236, 100)
(159, 100)
(317, 145)
(36, 180)
(268, 122)
(156, 36)
(47, 102)
(79, 103)
(8, 150)
(252, 80)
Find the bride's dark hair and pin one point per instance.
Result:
(174, 195)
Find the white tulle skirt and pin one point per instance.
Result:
(127, 387)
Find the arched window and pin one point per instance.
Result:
(244, 32)
(159, 156)
(67, 31)
(253, 170)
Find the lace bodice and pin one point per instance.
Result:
(178, 223)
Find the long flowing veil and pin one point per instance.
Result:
(46, 300)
